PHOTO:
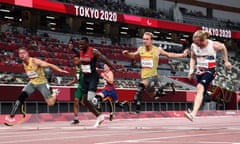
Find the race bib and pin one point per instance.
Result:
(32, 74)
(147, 63)
(204, 62)
(86, 68)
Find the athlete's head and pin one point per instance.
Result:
(200, 38)
(83, 44)
(70, 44)
(23, 53)
(76, 60)
(147, 39)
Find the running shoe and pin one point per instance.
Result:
(111, 117)
(55, 92)
(75, 122)
(159, 93)
(188, 115)
(99, 121)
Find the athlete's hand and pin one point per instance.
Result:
(190, 74)
(228, 65)
(103, 75)
(185, 52)
(125, 52)
(63, 71)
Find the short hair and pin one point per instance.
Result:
(149, 33)
(202, 35)
(76, 56)
(85, 39)
(22, 48)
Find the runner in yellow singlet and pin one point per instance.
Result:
(149, 56)
(37, 80)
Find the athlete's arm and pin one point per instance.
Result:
(131, 55)
(172, 55)
(41, 63)
(108, 77)
(220, 46)
(192, 64)
(75, 80)
(102, 58)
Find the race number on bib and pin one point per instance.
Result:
(147, 63)
(32, 74)
(86, 68)
(206, 64)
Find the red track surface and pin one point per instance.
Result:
(205, 129)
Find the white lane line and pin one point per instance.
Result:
(42, 139)
(167, 137)
(187, 142)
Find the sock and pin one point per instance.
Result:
(75, 117)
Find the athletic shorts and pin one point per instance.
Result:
(44, 89)
(78, 92)
(152, 83)
(90, 82)
(206, 78)
(112, 93)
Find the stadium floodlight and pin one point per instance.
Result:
(168, 38)
(90, 23)
(125, 28)
(52, 23)
(89, 28)
(186, 36)
(157, 32)
(50, 17)
(8, 17)
(4, 10)
(123, 33)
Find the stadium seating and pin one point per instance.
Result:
(53, 51)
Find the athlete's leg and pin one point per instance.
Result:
(90, 87)
(77, 99)
(138, 96)
(27, 91)
(75, 110)
(18, 102)
(89, 98)
(99, 96)
(198, 99)
(203, 82)
(44, 89)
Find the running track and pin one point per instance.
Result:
(176, 130)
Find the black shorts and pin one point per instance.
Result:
(90, 82)
(206, 78)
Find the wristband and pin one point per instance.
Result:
(191, 70)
